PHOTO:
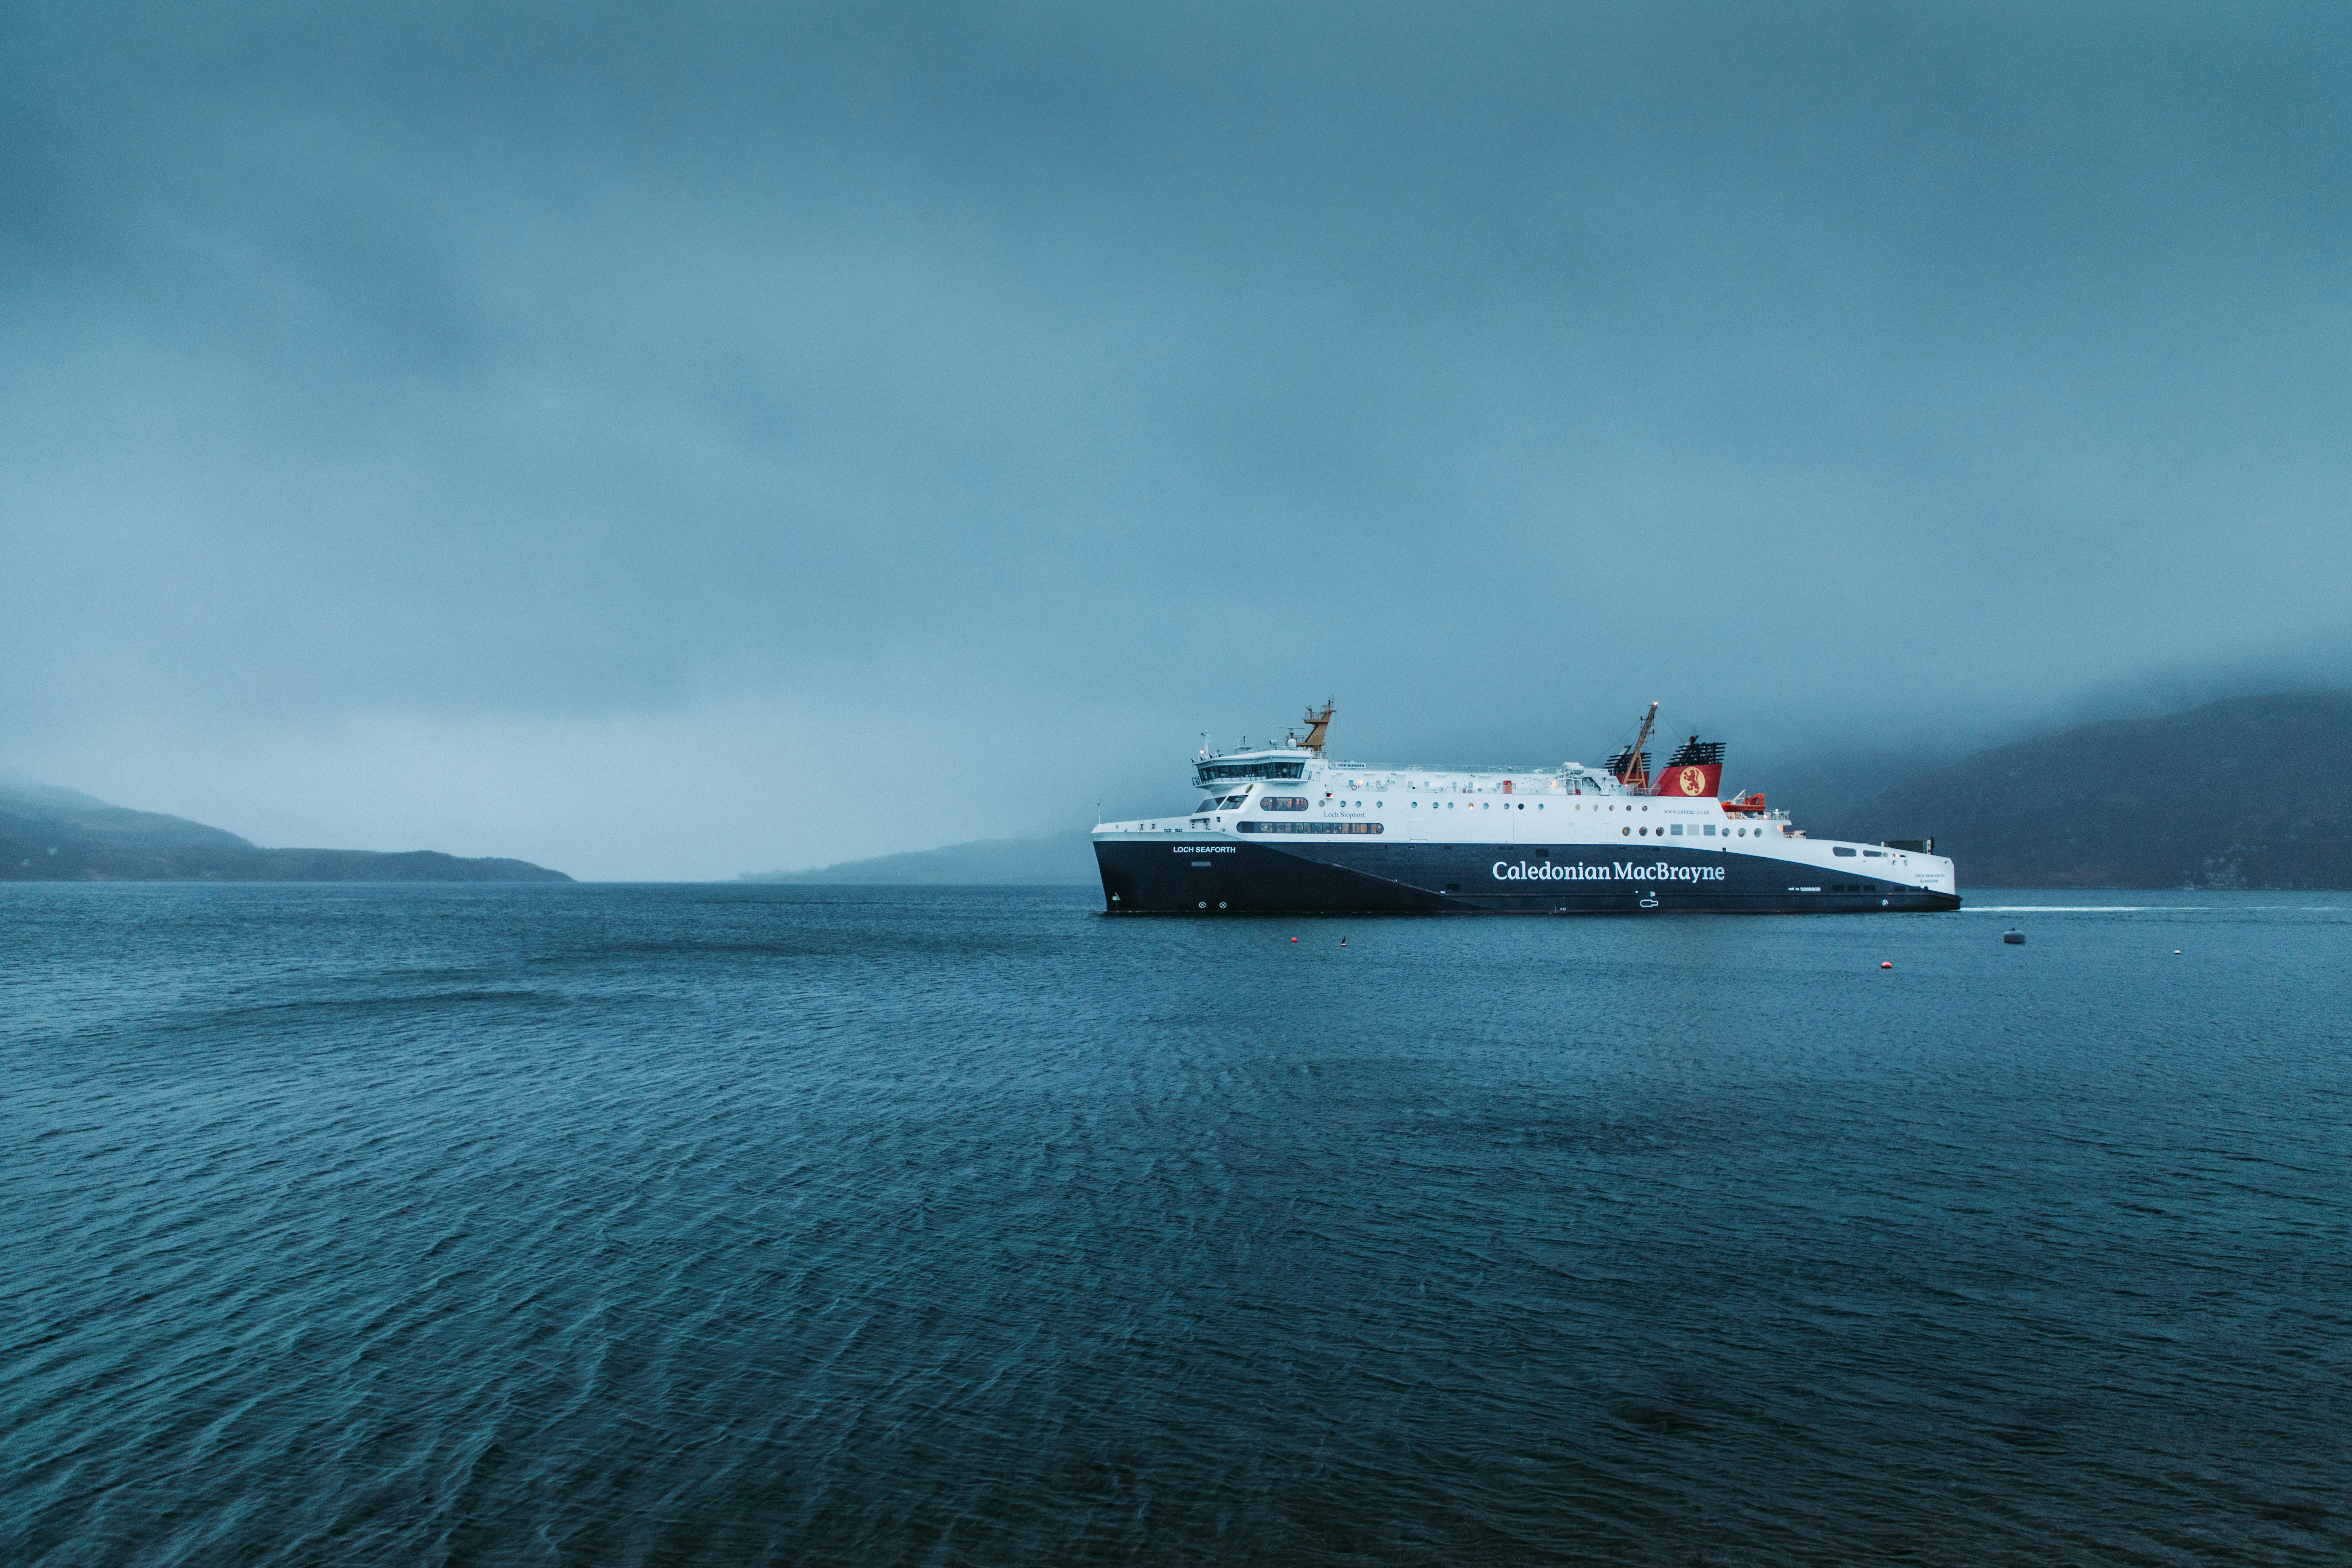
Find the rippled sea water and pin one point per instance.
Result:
(809, 1225)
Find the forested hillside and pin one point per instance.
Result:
(2255, 792)
(62, 836)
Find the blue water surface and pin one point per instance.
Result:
(817, 1225)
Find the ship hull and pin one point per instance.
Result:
(1212, 876)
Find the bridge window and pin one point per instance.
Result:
(1841, 850)
(1204, 773)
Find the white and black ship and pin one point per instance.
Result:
(1286, 830)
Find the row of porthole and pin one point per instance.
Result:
(1488, 805)
(1728, 832)
(1483, 806)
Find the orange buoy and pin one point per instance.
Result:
(1886, 966)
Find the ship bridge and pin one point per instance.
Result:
(1235, 767)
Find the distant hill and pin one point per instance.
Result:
(63, 836)
(2255, 792)
(1062, 858)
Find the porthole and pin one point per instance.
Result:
(1625, 831)
(1221, 906)
(1204, 903)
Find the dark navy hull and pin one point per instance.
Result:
(1205, 877)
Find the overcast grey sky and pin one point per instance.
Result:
(674, 440)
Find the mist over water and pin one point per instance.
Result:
(824, 1226)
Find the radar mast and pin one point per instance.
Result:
(1316, 723)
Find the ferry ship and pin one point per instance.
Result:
(1286, 830)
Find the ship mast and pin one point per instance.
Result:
(1630, 773)
(1316, 723)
